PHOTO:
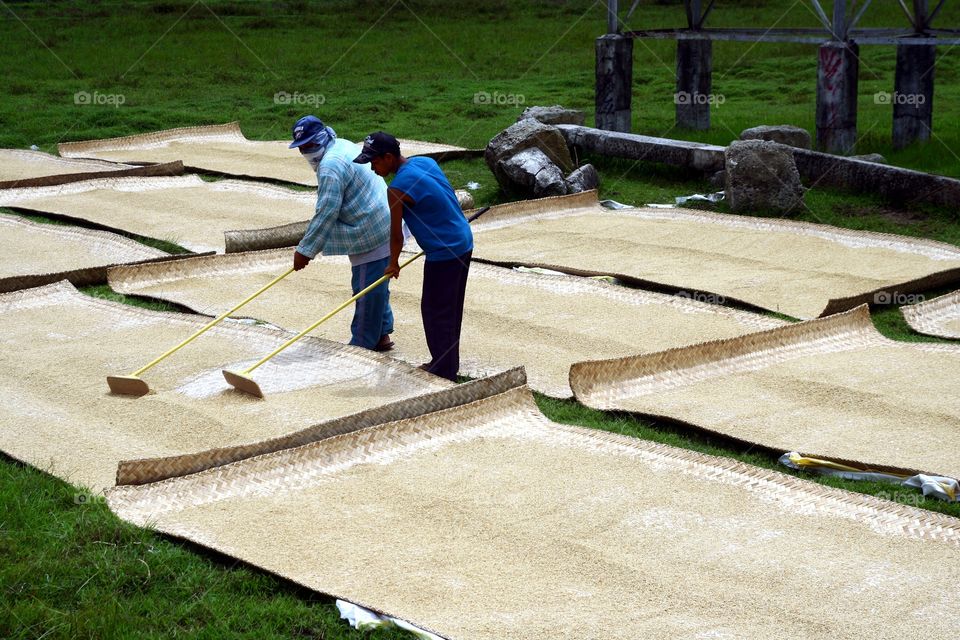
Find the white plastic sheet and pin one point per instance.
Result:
(360, 618)
(932, 486)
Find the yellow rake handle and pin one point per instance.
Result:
(319, 322)
(211, 324)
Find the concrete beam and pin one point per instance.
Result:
(679, 153)
(903, 186)
(896, 184)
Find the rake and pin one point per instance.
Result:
(134, 385)
(242, 380)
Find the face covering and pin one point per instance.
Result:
(324, 138)
(314, 158)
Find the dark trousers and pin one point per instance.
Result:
(444, 287)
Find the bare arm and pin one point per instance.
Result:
(396, 200)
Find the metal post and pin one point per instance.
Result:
(840, 19)
(613, 23)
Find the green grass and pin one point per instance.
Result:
(104, 292)
(572, 412)
(74, 570)
(413, 70)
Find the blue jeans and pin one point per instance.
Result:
(372, 317)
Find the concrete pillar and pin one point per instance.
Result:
(837, 73)
(913, 94)
(694, 83)
(614, 82)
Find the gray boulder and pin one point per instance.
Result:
(783, 133)
(465, 198)
(526, 134)
(554, 115)
(532, 173)
(583, 179)
(761, 176)
(718, 179)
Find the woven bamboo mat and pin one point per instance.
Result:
(223, 149)
(939, 317)
(35, 253)
(544, 323)
(486, 520)
(147, 470)
(58, 415)
(799, 269)
(184, 209)
(25, 168)
(832, 388)
(289, 235)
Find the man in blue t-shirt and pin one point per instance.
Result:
(421, 196)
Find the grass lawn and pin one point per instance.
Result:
(69, 568)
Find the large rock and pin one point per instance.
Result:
(783, 133)
(526, 134)
(583, 179)
(553, 115)
(465, 198)
(531, 173)
(718, 179)
(762, 176)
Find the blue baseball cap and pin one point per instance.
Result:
(305, 130)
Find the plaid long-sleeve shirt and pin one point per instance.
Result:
(352, 216)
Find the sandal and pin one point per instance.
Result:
(385, 344)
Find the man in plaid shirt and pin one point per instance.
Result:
(352, 218)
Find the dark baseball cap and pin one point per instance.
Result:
(305, 130)
(376, 145)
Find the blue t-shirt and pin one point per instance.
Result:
(435, 219)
